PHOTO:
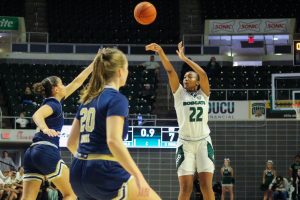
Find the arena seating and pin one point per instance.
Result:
(14, 78)
(236, 80)
(110, 22)
(240, 79)
(12, 8)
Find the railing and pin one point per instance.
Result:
(289, 94)
(38, 42)
(0, 117)
(148, 120)
(137, 49)
(155, 122)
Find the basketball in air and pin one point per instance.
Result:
(145, 13)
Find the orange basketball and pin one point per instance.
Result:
(145, 13)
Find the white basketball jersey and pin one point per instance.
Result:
(192, 114)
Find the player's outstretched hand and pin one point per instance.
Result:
(154, 47)
(50, 132)
(180, 51)
(143, 186)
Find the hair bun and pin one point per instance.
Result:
(38, 88)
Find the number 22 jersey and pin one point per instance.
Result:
(192, 114)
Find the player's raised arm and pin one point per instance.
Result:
(78, 81)
(204, 83)
(172, 75)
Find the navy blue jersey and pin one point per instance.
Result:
(54, 121)
(92, 117)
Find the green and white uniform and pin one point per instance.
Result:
(194, 147)
(227, 179)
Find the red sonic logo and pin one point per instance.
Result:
(279, 26)
(5, 135)
(253, 26)
(221, 27)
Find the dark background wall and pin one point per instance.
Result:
(247, 144)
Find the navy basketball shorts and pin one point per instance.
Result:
(42, 162)
(99, 179)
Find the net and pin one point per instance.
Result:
(296, 107)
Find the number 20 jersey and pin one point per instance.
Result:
(192, 114)
(92, 117)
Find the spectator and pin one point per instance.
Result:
(140, 119)
(297, 188)
(148, 93)
(7, 184)
(213, 67)
(2, 177)
(20, 174)
(293, 172)
(152, 65)
(6, 163)
(27, 97)
(280, 187)
(1, 188)
(227, 179)
(22, 122)
(217, 188)
(268, 175)
(15, 190)
(197, 191)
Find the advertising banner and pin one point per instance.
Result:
(250, 26)
(16, 135)
(228, 110)
(9, 23)
(257, 110)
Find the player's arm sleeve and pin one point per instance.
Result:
(54, 106)
(178, 93)
(118, 106)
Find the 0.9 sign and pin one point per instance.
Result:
(296, 52)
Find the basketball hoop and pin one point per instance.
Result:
(296, 107)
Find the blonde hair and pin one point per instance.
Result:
(106, 64)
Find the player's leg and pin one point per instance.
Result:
(206, 185)
(186, 186)
(62, 182)
(205, 168)
(133, 192)
(33, 178)
(31, 189)
(186, 167)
